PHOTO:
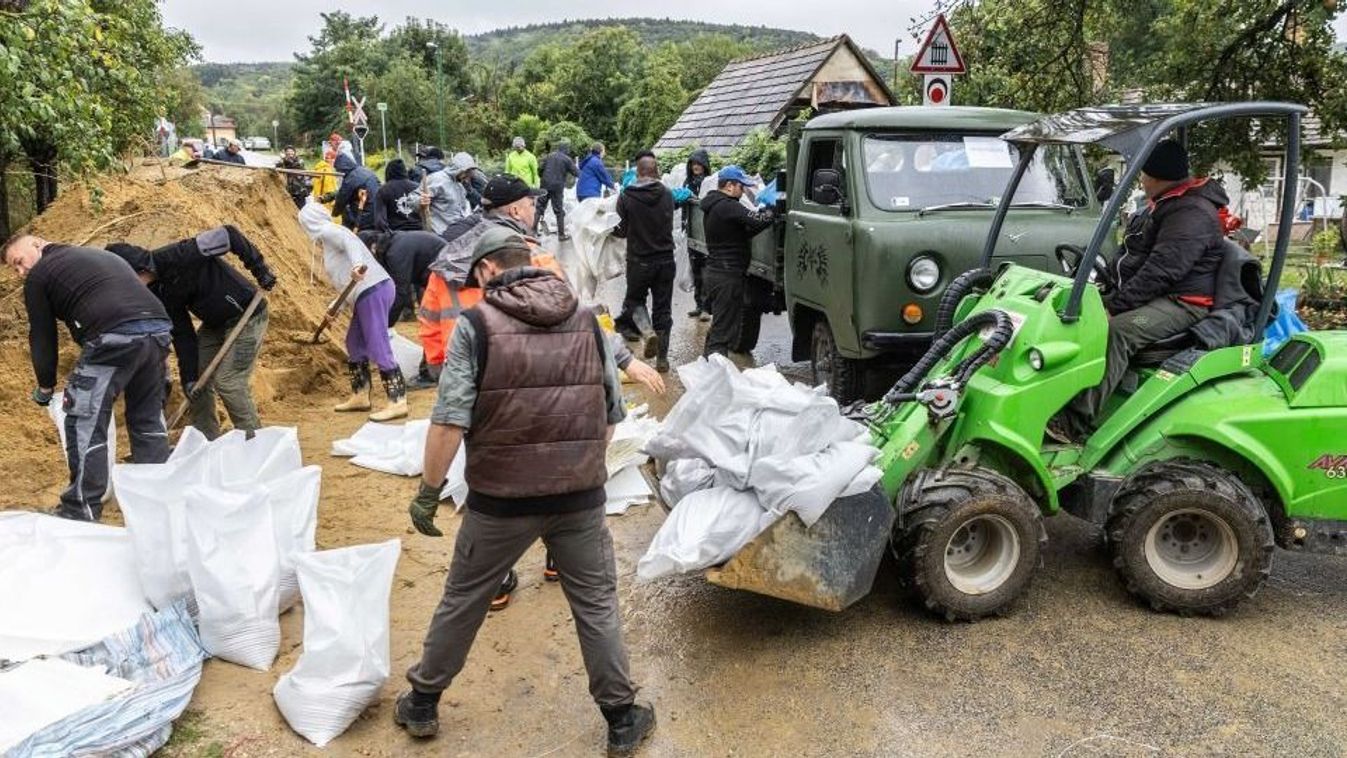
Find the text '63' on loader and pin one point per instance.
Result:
(1206, 458)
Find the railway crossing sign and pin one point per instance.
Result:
(938, 53)
(935, 90)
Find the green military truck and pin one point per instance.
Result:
(881, 209)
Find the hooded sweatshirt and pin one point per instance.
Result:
(556, 167)
(342, 251)
(347, 204)
(474, 180)
(646, 210)
(1176, 249)
(730, 227)
(693, 182)
(397, 205)
(448, 199)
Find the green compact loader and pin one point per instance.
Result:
(1206, 458)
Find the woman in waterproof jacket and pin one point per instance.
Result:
(594, 177)
(698, 169)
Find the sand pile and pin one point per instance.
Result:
(149, 210)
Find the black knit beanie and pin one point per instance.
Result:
(1169, 161)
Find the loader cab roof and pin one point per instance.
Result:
(924, 118)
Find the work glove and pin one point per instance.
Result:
(327, 198)
(42, 397)
(189, 389)
(422, 510)
(266, 279)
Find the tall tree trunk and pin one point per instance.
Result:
(4, 199)
(42, 160)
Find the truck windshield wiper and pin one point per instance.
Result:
(953, 206)
(1045, 204)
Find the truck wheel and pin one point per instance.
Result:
(969, 541)
(842, 376)
(1189, 537)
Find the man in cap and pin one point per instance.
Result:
(1166, 274)
(730, 227)
(123, 333)
(192, 280)
(520, 162)
(528, 332)
(443, 195)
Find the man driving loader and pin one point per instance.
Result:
(1163, 280)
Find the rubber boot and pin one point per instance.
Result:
(360, 380)
(396, 388)
(628, 727)
(662, 362)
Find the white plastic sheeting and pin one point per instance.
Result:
(64, 585)
(346, 658)
(599, 255)
(741, 451)
(43, 691)
(235, 569)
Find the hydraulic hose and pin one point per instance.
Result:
(991, 347)
(955, 293)
(940, 348)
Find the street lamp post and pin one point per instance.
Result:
(439, 88)
(275, 140)
(383, 125)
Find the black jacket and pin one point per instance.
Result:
(228, 157)
(90, 290)
(297, 186)
(646, 211)
(1175, 249)
(729, 229)
(192, 280)
(347, 204)
(407, 258)
(556, 167)
(397, 204)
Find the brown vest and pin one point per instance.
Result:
(540, 423)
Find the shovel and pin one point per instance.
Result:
(203, 381)
(332, 310)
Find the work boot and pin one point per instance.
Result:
(628, 726)
(360, 381)
(662, 362)
(550, 573)
(418, 713)
(396, 389)
(507, 588)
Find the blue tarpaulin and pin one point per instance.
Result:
(1286, 324)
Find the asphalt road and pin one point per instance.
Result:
(1077, 667)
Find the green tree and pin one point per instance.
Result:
(702, 58)
(529, 127)
(567, 132)
(409, 91)
(434, 47)
(80, 83)
(657, 98)
(347, 48)
(183, 99)
(596, 78)
(760, 154)
(534, 86)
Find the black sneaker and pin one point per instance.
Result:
(507, 588)
(650, 342)
(627, 727)
(695, 313)
(419, 720)
(421, 382)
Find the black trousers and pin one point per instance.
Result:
(653, 278)
(556, 196)
(697, 262)
(110, 365)
(725, 299)
(757, 301)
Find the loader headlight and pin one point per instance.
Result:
(1035, 359)
(923, 274)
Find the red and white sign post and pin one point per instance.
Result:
(938, 61)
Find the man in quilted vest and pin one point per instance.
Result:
(531, 388)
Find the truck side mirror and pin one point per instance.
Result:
(1105, 182)
(826, 187)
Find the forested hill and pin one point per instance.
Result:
(513, 43)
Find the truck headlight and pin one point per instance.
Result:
(923, 274)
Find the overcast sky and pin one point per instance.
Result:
(250, 30)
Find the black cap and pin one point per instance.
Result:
(504, 189)
(430, 151)
(1169, 161)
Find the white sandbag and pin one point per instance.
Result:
(599, 256)
(234, 459)
(190, 441)
(235, 569)
(630, 436)
(706, 528)
(43, 691)
(346, 660)
(56, 410)
(456, 482)
(406, 353)
(685, 476)
(294, 513)
(808, 484)
(64, 585)
(391, 448)
(625, 489)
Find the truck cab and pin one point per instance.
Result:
(881, 209)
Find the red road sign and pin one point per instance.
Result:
(938, 53)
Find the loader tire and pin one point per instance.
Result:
(968, 541)
(1190, 538)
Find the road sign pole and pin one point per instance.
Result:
(383, 124)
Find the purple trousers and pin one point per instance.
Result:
(367, 339)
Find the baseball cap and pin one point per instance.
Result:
(492, 240)
(735, 174)
(504, 189)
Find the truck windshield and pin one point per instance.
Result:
(917, 172)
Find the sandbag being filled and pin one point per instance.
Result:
(346, 659)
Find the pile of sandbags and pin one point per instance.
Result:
(741, 450)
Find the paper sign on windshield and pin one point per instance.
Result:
(987, 152)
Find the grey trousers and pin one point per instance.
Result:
(1128, 333)
(233, 377)
(486, 548)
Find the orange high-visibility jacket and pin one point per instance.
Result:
(441, 304)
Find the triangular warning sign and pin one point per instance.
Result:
(938, 53)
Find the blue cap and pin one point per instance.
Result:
(736, 174)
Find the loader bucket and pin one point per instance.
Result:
(829, 565)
